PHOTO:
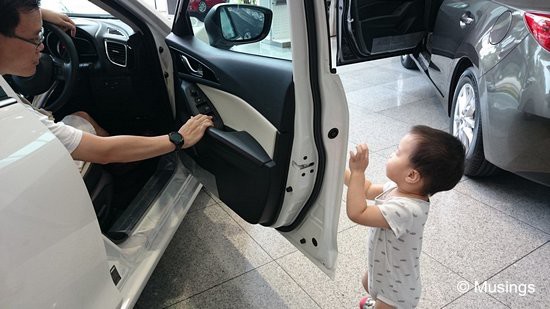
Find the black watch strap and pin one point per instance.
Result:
(177, 139)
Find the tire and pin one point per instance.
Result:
(467, 127)
(408, 63)
(202, 8)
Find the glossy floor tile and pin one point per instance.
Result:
(268, 286)
(494, 230)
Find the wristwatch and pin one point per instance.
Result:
(177, 139)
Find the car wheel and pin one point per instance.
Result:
(408, 63)
(466, 125)
(202, 7)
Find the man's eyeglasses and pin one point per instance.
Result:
(36, 42)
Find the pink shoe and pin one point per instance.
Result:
(366, 303)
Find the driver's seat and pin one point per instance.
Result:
(98, 181)
(100, 186)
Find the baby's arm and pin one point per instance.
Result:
(372, 190)
(356, 206)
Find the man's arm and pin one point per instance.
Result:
(356, 205)
(128, 148)
(61, 20)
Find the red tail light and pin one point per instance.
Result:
(539, 25)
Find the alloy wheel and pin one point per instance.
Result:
(202, 7)
(464, 121)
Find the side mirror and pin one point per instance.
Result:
(228, 25)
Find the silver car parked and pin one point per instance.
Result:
(489, 62)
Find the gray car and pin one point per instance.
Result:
(489, 62)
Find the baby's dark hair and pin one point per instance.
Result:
(438, 157)
(9, 14)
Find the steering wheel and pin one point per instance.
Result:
(53, 73)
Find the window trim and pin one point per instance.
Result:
(182, 23)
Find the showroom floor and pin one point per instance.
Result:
(495, 230)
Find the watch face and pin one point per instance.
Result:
(176, 138)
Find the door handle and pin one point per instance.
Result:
(194, 71)
(466, 19)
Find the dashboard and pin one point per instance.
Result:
(120, 82)
(97, 41)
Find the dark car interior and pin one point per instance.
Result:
(120, 84)
(371, 28)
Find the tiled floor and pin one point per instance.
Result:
(495, 230)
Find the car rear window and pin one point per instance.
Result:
(3, 94)
(5, 100)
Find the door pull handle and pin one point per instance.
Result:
(194, 71)
(465, 20)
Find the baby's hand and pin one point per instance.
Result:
(360, 160)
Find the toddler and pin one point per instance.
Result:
(426, 161)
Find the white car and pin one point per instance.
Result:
(276, 155)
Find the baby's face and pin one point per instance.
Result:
(399, 164)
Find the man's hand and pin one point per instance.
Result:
(193, 130)
(359, 161)
(61, 20)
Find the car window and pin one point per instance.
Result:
(164, 8)
(275, 45)
(5, 99)
(84, 8)
(74, 7)
(3, 94)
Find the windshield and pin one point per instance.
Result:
(74, 7)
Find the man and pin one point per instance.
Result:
(20, 46)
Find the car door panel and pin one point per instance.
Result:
(453, 24)
(243, 144)
(373, 29)
(240, 116)
(283, 167)
(240, 75)
(249, 148)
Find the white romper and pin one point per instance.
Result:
(394, 254)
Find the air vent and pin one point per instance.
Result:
(114, 31)
(117, 53)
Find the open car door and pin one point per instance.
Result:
(277, 153)
(375, 29)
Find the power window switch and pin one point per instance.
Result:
(204, 109)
